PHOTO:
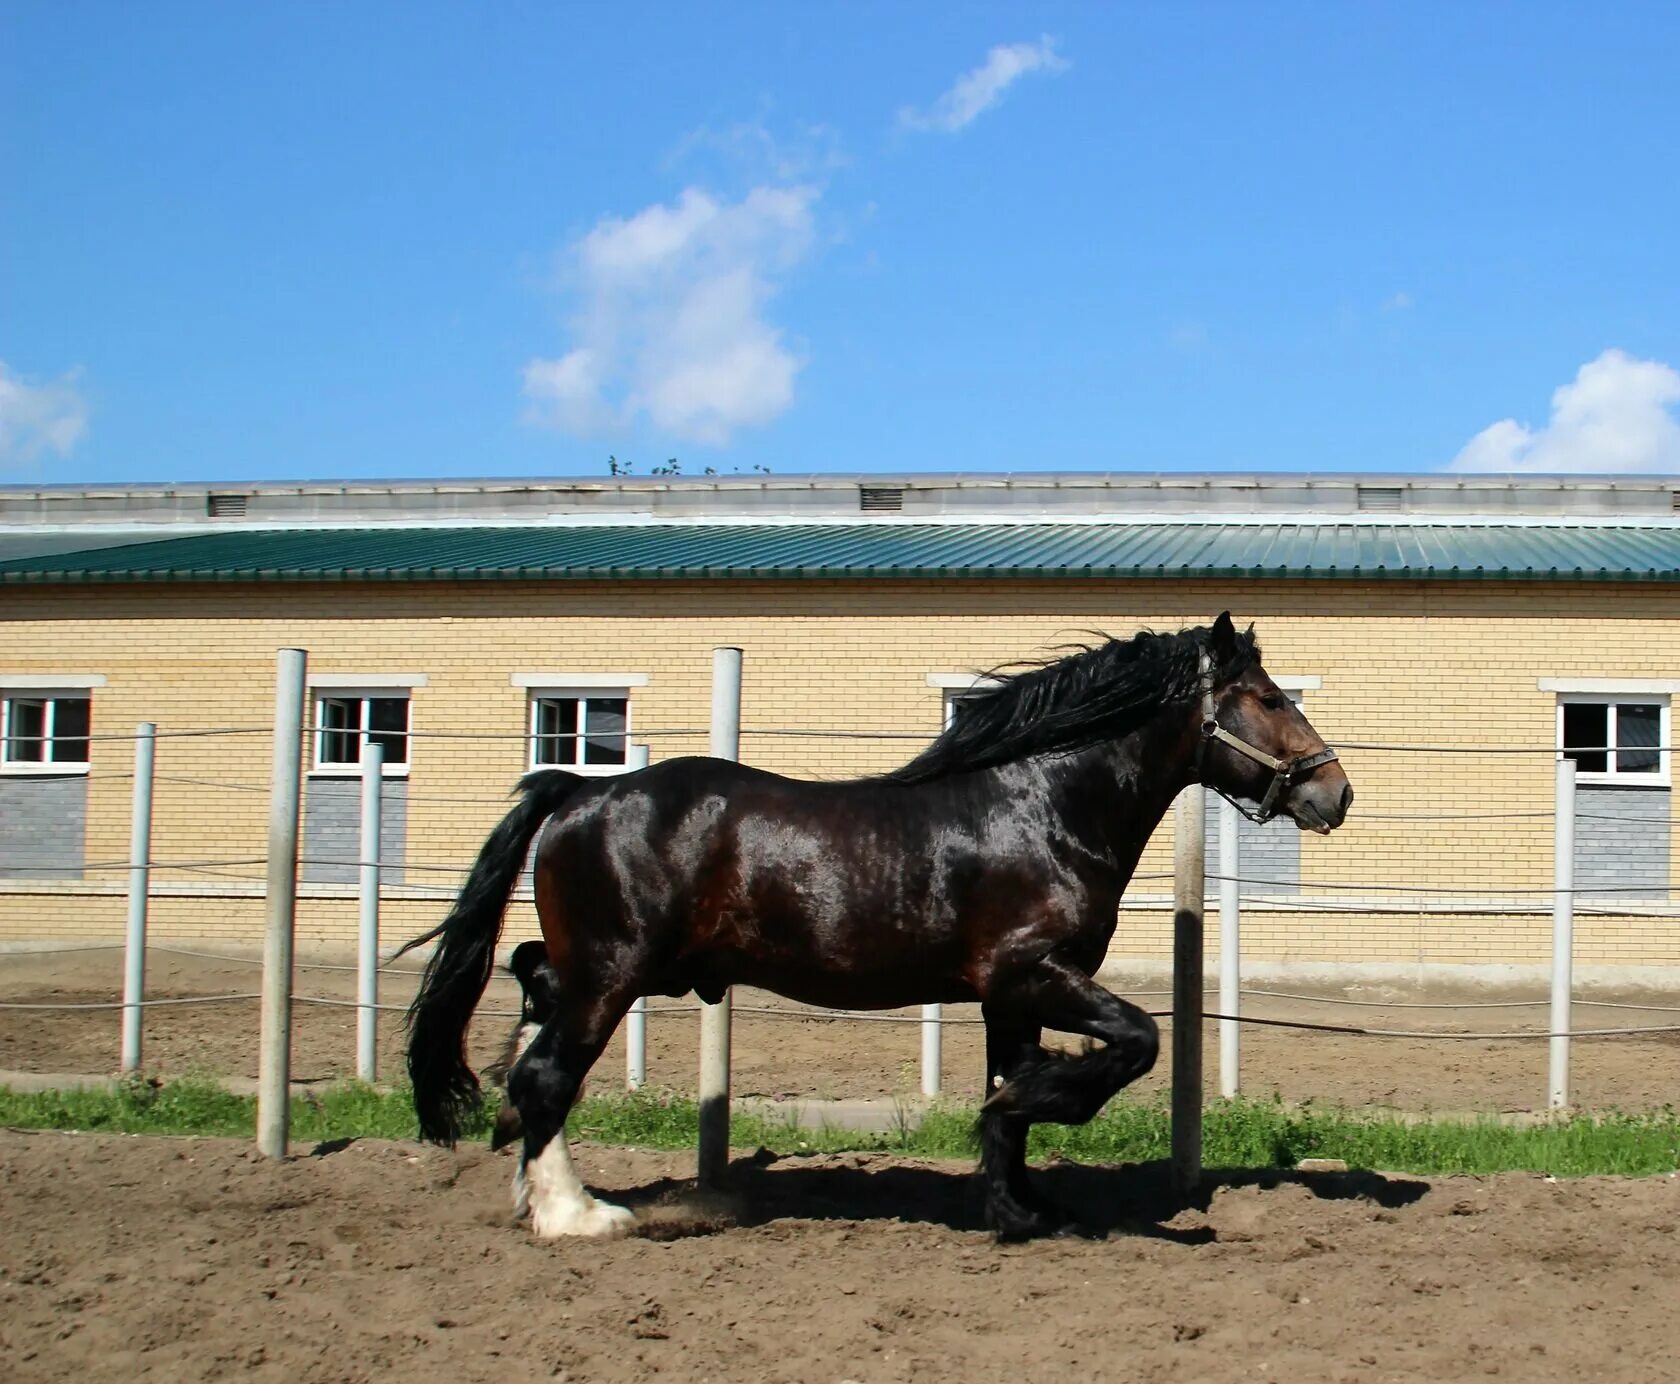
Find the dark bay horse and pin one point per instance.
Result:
(989, 868)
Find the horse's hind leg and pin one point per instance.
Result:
(1056, 1088)
(539, 1001)
(543, 1085)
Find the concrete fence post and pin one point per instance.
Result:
(715, 1018)
(1230, 951)
(1563, 935)
(635, 1022)
(274, 1066)
(1189, 891)
(367, 937)
(139, 894)
(933, 1044)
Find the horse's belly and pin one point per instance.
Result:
(883, 964)
(868, 988)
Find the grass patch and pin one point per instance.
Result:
(196, 1106)
(1237, 1134)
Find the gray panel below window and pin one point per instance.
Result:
(332, 830)
(1621, 840)
(43, 826)
(1268, 856)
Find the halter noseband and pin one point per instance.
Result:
(1284, 771)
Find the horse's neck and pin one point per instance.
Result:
(1121, 791)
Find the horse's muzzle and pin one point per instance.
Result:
(1321, 803)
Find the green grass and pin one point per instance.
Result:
(1237, 1134)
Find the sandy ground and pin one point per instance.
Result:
(807, 1055)
(170, 1259)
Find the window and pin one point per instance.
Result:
(45, 731)
(346, 719)
(579, 721)
(1616, 739)
(580, 729)
(352, 710)
(1617, 732)
(955, 689)
(954, 704)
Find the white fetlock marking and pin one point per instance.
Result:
(523, 1038)
(561, 1205)
(521, 1191)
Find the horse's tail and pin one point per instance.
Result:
(445, 1088)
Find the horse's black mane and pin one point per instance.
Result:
(1100, 693)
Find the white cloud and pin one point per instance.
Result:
(981, 89)
(1397, 302)
(748, 151)
(1618, 415)
(671, 323)
(37, 418)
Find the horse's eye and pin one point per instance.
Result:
(1272, 701)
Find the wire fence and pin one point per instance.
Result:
(314, 729)
(1262, 889)
(859, 1016)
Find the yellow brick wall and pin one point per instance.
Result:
(1408, 663)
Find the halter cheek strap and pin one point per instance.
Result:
(1285, 772)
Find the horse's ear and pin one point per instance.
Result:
(1223, 639)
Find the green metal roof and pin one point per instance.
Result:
(1328, 550)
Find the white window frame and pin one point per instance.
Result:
(34, 690)
(582, 687)
(1613, 775)
(332, 688)
(954, 688)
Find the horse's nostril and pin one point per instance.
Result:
(1347, 798)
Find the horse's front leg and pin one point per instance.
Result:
(1012, 1047)
(1057, 1088)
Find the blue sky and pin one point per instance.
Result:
(318, 241)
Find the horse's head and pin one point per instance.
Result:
(1254, 743)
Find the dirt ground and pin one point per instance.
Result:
(129, 1258)
(804, 1054)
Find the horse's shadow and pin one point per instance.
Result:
(1133, 1200)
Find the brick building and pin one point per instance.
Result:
(477, 628)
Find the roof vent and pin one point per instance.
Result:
(880, 499)
(227, 506)
(1380, 499)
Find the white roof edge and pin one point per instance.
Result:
(371, 681)
(162, 529)
(583, 681)
(50, 682)
(1635, 687)
(1142, 478)
(960, 682)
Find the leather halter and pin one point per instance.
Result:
(1285, 772)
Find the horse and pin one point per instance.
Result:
(988, 868)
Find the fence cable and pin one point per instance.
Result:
(1286, 890)
(853, 1016)
(142, 1004)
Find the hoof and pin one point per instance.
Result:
(1074, 1229)
(598, 1220)
(1035, 1218)
(1011, 1223)
(508, 1128)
